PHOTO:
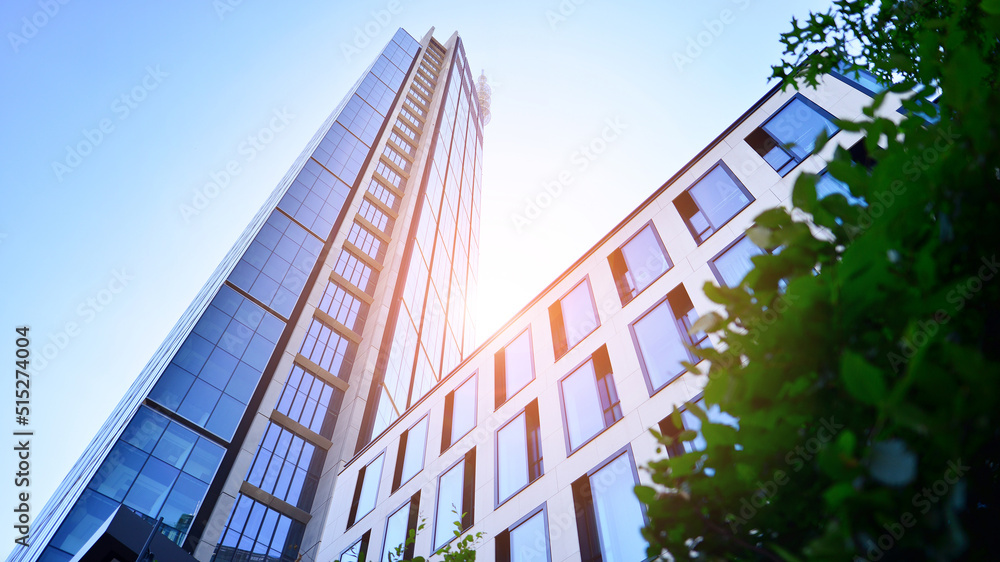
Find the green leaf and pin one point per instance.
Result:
(861, 379)
(760, 236)
(707, 323)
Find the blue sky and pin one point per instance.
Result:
(118, 113)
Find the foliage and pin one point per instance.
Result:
(460, 550)
(868, 396)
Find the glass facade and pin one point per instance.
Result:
(433, 324)
(210, 375)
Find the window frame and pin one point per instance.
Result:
(447, 439)
(352, 515)
(729, 246)
(684, 337)
(500, 382)
(590, 509)
(620, 254)
(467, 512)
(715, 228)
(597, 376)
(560, 342)
(502, 540)
(397, 481)
(794, 158)
(498, 501)
(365, 543)
(413, 504)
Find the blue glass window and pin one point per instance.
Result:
(341, 153)
(660, 336)
(639, 262)
(733, 263)
(410, 458)
(589, 400)
(519, 453)
(315, 198)
(287, 467)
(514, 367)
(376, 93)
(355, 271)
(455, 498)
(209, 381)
(326, 348)
(275, 267)
(526, 540)
(255, 531)
(361, 119)
(711, 202)
(605, 501)
(828, 185)
(310, 401)
(789, 136)
(157, 469)
(573, 318)
(366, 491)
(459, 412)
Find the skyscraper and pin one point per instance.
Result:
(343, 302)
(324, 395)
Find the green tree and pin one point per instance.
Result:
(868, 396)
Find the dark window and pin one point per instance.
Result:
(366, 490)
(609, 517)
(410, 458)
(519, 453)
(459, 412)
(711, 202)
(527, 540)
(639, 262)
(455, 500)
(573, 318)
(514, 367)
(789, 136)
(589, 400)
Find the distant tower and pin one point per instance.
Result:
(483, 91)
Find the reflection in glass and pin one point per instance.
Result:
(518, 370)
(579, 316)
(512, 457)
(449, 504)
(582, 405)
(619, 513)
(660, 345)
(528, 541)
